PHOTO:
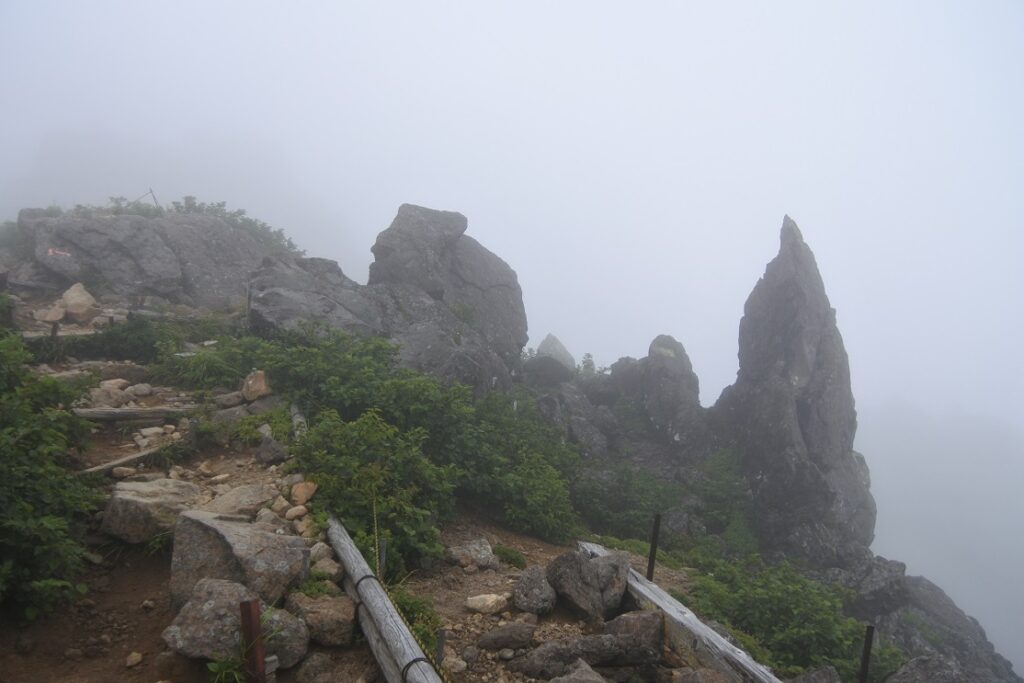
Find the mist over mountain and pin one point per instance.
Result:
(949, 505)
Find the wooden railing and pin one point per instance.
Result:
(685, 632)
(399, 655)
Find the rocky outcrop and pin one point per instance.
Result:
(929, 624)
(453, 308)
(552, 347)
(187, 258)
(209, 545)
(790, 415)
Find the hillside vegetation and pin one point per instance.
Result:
(394, 452)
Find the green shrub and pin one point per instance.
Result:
(420, 615)
(43, 507)
(510, 556)
(784, 619)
(378, 482)
(246, 430)
(622, 500)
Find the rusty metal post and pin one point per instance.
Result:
(654, 547)
(865, 657)
(252, 642)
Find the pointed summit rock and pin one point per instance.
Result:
(790, 415)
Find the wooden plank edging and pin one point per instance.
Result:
(683, 629)
(120, 462)
(142, 413)
(389, 638)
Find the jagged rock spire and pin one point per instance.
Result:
(791, 414)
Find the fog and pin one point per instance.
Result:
(632, 162)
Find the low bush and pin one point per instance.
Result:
(43, 507)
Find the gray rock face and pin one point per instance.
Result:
(429, 250)
(453, 308)
(288, 292)
(208, 545)
(532, 592)
(934, 669)
(790, 415)
(185, 258)
(594, 586)
(552, 347)
(620, 645)
(208, 626)
(140, 510)
(930, 624)
(671, 392)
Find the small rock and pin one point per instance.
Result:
(134, 659)
(117, 384)
(255, 386)
(280, 505)
(149, 432)
(73, 653)
(486, 604)
(205, 468)
(454, 664)
(320, 551)
(329, 568)
(170, 429)
(231, 400)
(148, 605)
(270, 451)
(220, 478)
(506, 654)
(302, 492)
(265, 430)
(122, 472)
(141, 389)
(296, 512)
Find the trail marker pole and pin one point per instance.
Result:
(654, 547)
(252, 642)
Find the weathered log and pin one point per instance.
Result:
(121, 462)
(684, 630)
(120, 414)
(392, 640)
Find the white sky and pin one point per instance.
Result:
(631, 161)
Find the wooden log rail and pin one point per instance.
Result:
(132, 459)
(400, 657)
(119, 414)
(684, 631)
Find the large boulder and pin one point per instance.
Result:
(208, 626)
(184, 257)
(790, 416)
(209, 545)
(139, 511)
(532, 592)
(453, 308)
(594, 586)
(429, 250)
